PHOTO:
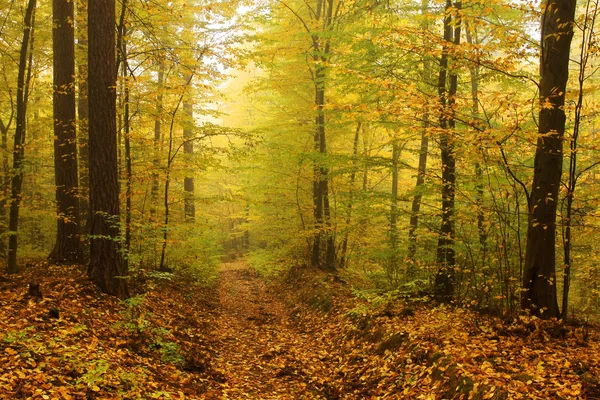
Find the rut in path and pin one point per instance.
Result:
(260, 350)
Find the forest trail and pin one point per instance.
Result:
(262, 353)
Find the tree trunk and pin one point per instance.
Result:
(539, 276)
(19, 139)
(343, 257)
(83, 114)
(416, 203)
(126, 129)
(318, 170)
(423, 152)
(322, 211)
(5, 182)
(444, 279)
(106, 263)
(584, 58)
(188, 150)
(163, 253)
(157, 144)
(323, 234)
(67, 247)
(393, 238)
(474, 73)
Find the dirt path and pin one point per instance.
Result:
(261, 352)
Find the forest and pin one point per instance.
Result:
(299, 199)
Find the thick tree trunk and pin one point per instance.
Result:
(106, 263)
(19, 139)
(66, 248)
(444, 280)
(539, 277)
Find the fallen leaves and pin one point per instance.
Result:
(249, 339)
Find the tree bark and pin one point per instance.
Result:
(157, 144)
(67, 248)
(5, 182)
(106, 263)
(323, 235)
(170, 158)
(19, 140)
(444, 279)
(393, 235)
(83, 115)
(324, 238)
(416, 203)
(344, 255)
(423, 153)
(584, 57)
(127, 139)
(539, 276)
(188, 150)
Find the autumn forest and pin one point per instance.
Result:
(299, 199)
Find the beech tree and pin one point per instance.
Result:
(319, 25)
(444, 279)
(189, 205)
(539, 275)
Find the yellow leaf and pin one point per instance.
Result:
(10, 351)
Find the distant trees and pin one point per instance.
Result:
(345, 101)
(150, 42)
(473, 139)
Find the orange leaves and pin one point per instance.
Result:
(10, 351)
(244, 341)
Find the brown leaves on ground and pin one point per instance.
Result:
(76, 343)
(306, 339)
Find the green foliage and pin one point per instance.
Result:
(20, 337)
(136, 322)
(169, 350)
(94, 372)
(134, 317)
(195, 255)
(266, 262)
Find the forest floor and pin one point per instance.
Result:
(308, 336)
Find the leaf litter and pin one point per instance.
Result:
(248, 338)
